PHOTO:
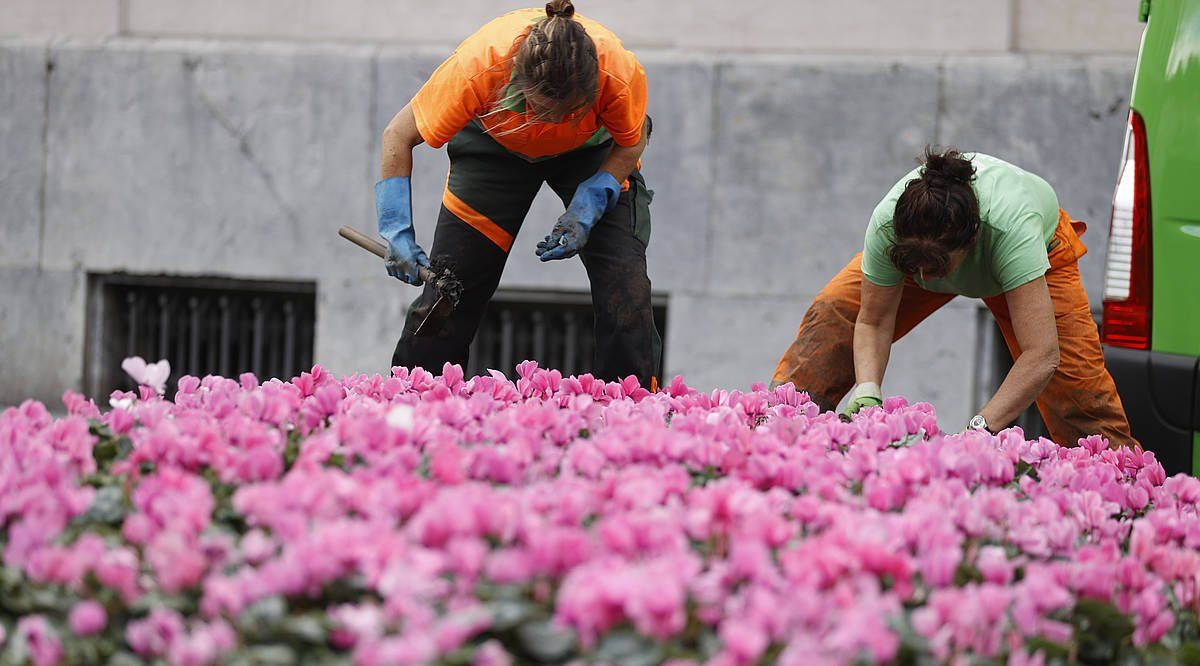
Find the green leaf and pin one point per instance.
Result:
(150, 601)
(1101, 631)
(125, 659)
(308, 628)
(263, 617)
(92, 650)
(508, 614)
(99, 429)
(1189, 654)
(967, 573)
(545, 642)
(1024, 469)
(292, 450)
(1051, 649)
(271, 655)
(105, 451)
(628, 648)
(914, 649)
(108, 507)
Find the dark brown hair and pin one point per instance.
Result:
(936, 214)
(557, 62)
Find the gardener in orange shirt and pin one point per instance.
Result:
(976, 226)
(534, 96)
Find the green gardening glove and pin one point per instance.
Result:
(866, 394)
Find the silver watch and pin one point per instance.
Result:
(978, 423)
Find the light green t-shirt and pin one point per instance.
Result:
(1018, 212)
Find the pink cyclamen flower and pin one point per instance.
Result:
(993, 564)
(203, 646)
(87, 618)
(118, 569)
(154, 635)
(491, 653)
(153, 375)
(749, 516)
(43, 644)
(743, 640)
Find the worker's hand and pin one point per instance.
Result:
(866, 394)
(393, 205)
(593, 198)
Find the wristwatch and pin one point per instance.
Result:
(979, 423)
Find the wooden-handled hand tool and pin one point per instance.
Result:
(378, 249)
(448, 288)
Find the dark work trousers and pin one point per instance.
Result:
(488, 193)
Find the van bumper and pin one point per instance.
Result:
(1161, 395)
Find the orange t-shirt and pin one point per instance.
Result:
(470, 82)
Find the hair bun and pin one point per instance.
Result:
(949, 166)
(913, 256)
(560, 9)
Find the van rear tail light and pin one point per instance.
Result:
(1127, 277)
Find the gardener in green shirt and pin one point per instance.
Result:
(970, 225)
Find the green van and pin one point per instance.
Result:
(1151, 320)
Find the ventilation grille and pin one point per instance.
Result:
(553, 328)
(201, 325)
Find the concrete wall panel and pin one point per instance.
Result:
(876, 26)
(205, 160)
(80, 18)
(241, 159)
(41, 334)
(409, 22)
(22, 131)
(803, 153)
(935, 363)
(1063, 119)
(730, 342)
(359, 319)
(679, 167)
(865, 26)
(1078, 26)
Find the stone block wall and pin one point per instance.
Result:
(858, 26)
(241, 158)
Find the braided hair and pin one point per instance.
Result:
(936, 214)
(556, 65)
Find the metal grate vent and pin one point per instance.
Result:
(201, 325)
(551, 327)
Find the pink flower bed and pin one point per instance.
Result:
(421, 519)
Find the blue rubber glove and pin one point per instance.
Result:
(393, 205)
(867, 394)
(593, 198)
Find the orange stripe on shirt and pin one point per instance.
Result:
(478, 220)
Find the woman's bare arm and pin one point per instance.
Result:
(399, 139)
(1032, 314)
(873, 330)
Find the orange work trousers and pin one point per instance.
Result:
(1079, 400)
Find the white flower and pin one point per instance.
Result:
(153, 375)
(121, 403)
(401, 417)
